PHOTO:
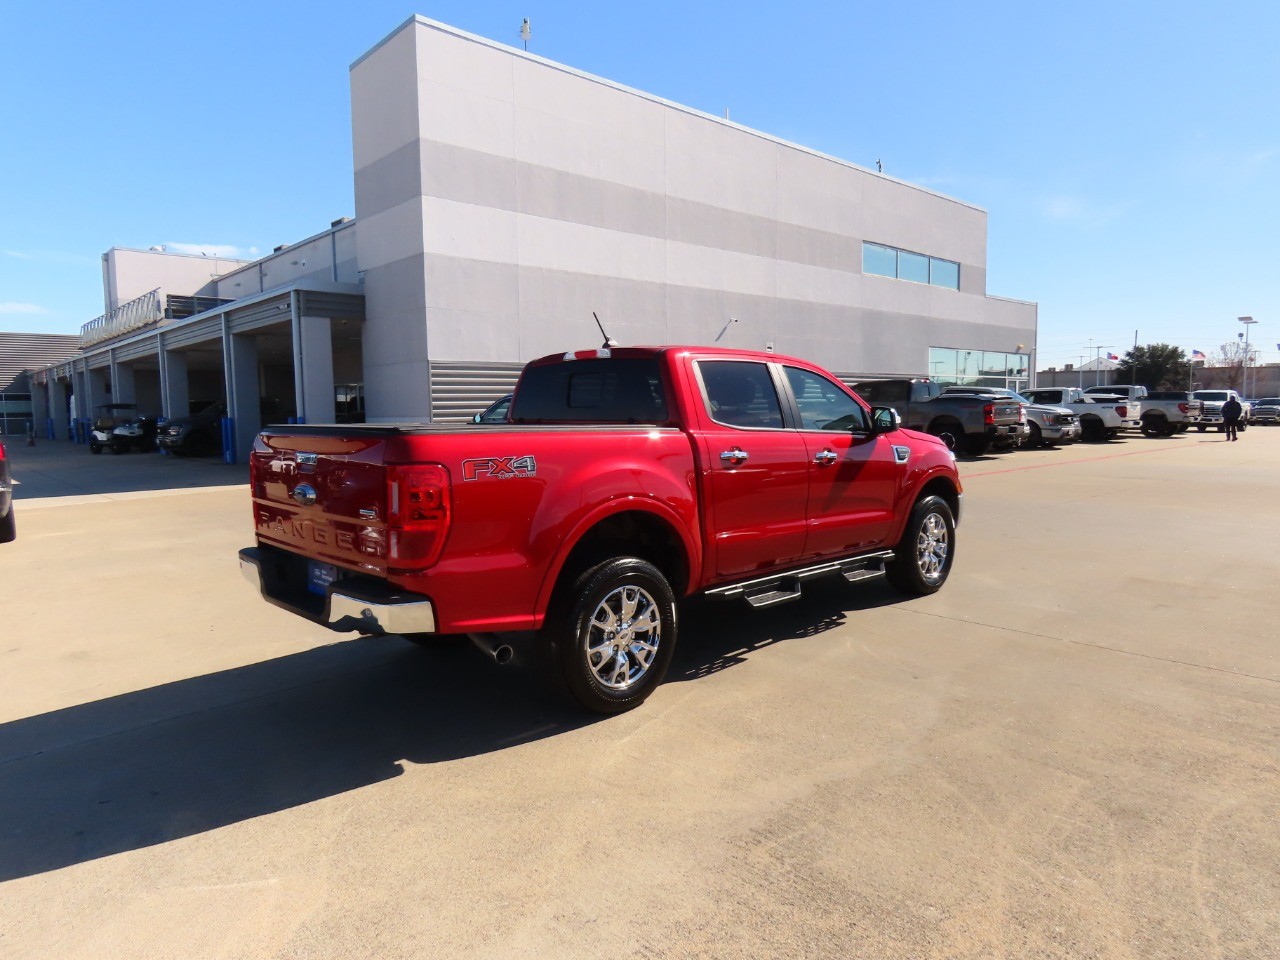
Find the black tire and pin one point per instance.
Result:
(1035, 438)
(1242, 426)
(1183, 427)
(1155, 427)
(8, 527)
(587, 615)
(916, 568)
(1111, 434)
(949, 432)
(1092, 430)
(976, 446)
(1201, 427)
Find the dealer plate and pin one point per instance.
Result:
(320, 575)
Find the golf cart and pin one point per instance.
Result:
(108, 417)
(137, 434)
(119, 428)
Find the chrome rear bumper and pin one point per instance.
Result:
(358, 603)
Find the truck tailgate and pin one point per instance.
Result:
(324, 496)
(1006, 411)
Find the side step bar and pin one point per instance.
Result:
(781, 587)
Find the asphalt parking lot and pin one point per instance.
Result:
(1070, 751)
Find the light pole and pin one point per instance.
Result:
(1097, 364)
(1248, 322)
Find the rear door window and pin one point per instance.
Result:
(740, 393)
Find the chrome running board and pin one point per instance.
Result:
(780, 587)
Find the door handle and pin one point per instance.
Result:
(734, 456)
(825, 457)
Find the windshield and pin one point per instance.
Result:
(1211, 395)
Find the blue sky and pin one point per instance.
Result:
(1128, 153)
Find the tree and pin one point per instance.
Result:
(1157, 366)
(1231, 357)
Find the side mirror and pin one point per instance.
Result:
(476, 418)
(884, 420)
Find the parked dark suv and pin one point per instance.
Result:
(199, 435)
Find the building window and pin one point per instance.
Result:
(15, 414)
(882, 261)
(944, 273)
(978, 368)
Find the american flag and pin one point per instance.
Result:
(1199, 354)
(1112, 356)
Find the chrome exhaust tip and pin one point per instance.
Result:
(493, 646)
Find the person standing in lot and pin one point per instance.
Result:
(1231, 411)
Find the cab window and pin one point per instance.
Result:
(823, 405)
(740, 394)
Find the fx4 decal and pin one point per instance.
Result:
(499, 468)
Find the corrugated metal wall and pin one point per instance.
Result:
(20, 352)
(461, 390)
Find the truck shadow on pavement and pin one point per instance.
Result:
(183, 758)
(718, 634)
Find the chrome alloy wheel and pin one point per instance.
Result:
(931, 547)
(623, 637)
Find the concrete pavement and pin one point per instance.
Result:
(1070, 751)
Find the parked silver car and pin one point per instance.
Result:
(1047, 426)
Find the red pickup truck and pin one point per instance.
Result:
(626, 478)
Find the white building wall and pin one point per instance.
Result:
(328, 257)
(502, 198)
(128, 274)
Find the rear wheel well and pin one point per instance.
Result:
(635, 533)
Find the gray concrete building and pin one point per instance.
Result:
(501, 199)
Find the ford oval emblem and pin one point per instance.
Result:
(305, 494)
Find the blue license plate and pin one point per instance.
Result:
(320, 575)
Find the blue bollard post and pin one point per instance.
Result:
(228, 440)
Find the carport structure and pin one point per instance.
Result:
(269, 357)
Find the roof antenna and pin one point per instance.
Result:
(608, 340)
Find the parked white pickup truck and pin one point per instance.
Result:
(1212, 414)
(1099, 419)
(1163, 413)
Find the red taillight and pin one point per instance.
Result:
(1, 451)
(1182, 407)
(1022, 413)
(417, 515)
(989, 413)
(1123, 411)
